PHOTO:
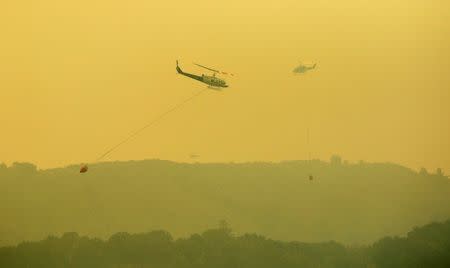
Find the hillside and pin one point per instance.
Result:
(350, 203)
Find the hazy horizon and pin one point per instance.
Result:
(199, 161)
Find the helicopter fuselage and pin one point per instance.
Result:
(303, 68)
(212, 81)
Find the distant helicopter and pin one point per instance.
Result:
(303, 68)
(213, 82)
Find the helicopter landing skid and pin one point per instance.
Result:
(215, 88)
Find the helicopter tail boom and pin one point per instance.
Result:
(193, 76)
(179, 69)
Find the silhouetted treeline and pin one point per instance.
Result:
(347, 202)
(428, 246)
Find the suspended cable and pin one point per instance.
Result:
(151, 123)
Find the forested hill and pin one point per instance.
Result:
(350, 203)
(427, 246)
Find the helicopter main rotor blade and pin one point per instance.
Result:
(213, 70)
(216, 71)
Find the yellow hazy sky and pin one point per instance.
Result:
(76, 77)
